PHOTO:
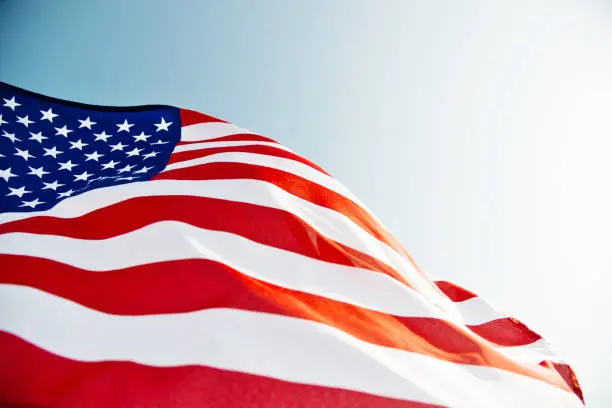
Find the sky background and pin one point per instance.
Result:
(479, 132)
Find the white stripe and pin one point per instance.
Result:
(328, 223)
(274, 346)
(273, 162)
(290, 166)
(211, 145)
(478, 311)
(532, 353)
(210, 130)
(171, 240)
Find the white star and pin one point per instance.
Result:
(83, 176)
(143, 170)
(134, 152)
(102, 136)
(23, 153)
(163, 125)
(126, 168)
(159, 142)
(32, 203)
(2, 121)
(19, 192)
(10, 136)
(125, 178)
(141, 137)
(149, 155)
(67, 165)
(93, 156)
(52, 152)
(86, 123)
(118, 146)
(48, 115)
(37, 136)
(65, 194)
(37, 172)
(124, 126)
(24, 120)
(110, 165)
(77, 145)
(53, 186)
(11, 103)
(63, 131)
(6, 174)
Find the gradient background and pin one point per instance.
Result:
(478, 131)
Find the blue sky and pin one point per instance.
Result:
(479, 132)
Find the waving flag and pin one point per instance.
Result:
(158, 257)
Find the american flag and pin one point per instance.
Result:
(158, 257)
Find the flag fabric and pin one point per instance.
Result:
(158, 257)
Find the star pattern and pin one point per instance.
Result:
(24, 120)
(77, 145)
(125, 126)
(37, 136)
(48, 115)
(134, 152)
(102, 136)
(83, 176)
(163, 125)
(141, 137)
(31, 204)
(24, 154)
(86, 123)
(109, 165)
(38, 172)
(67, 165)
(6, 174)
(19, 192)
(93, 156)
(11, 103)
(10, 136)
(150, 155)
(51, 151)
(53, 186)
(63, 131)
(127, 168)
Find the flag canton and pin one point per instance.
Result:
(51, 150)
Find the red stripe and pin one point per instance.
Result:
(293, 184)
(38, 378)
(265, 225)
(268, 226)
(188, 285)
(247, 137)
(190, 117)
(506, 332)
(267, 150)
(569, 376)
(455, 292)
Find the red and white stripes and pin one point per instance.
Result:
(245, 275)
